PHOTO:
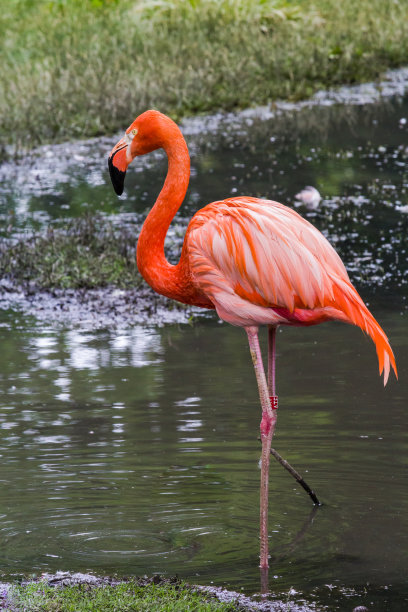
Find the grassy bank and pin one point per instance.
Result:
(125, 596)
(76, 68)
(87, 252)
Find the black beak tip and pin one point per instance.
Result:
(117, 177)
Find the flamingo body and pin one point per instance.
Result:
(260, 263)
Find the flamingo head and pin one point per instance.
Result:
(150, 131)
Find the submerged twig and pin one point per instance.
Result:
(296, 475)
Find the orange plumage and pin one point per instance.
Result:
(259, 262)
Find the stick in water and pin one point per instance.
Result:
(296, 475)
(274, 405)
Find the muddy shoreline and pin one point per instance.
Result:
(107, 307)
(110, 306)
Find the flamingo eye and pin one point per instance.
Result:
(130, 135)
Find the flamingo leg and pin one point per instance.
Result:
(274, 403)
(267, 428)
(271, 359)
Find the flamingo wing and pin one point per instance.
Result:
(265, 249)
(260, 262)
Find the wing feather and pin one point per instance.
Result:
(265, 254)
(266, 248)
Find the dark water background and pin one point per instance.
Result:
(135, 451)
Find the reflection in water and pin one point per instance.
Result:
(289, 548)
(136, 452)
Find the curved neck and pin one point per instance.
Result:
(165, 278)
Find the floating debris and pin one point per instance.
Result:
(310, 197)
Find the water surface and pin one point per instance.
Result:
(135, 452)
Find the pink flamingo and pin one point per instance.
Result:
(256, 262)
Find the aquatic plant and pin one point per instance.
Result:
(86, 252)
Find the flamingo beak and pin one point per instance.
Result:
(118, 164)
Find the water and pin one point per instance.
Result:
(135, 451)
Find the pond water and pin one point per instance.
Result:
(135, 451)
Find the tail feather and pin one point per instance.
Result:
(347, 298)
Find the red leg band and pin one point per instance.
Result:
(274, 402)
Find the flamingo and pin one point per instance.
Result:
(255, 261)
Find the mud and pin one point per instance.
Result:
(263, 605)
(104, 308)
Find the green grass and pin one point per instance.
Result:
(126, 596)
(76, 68)
(85, 253)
